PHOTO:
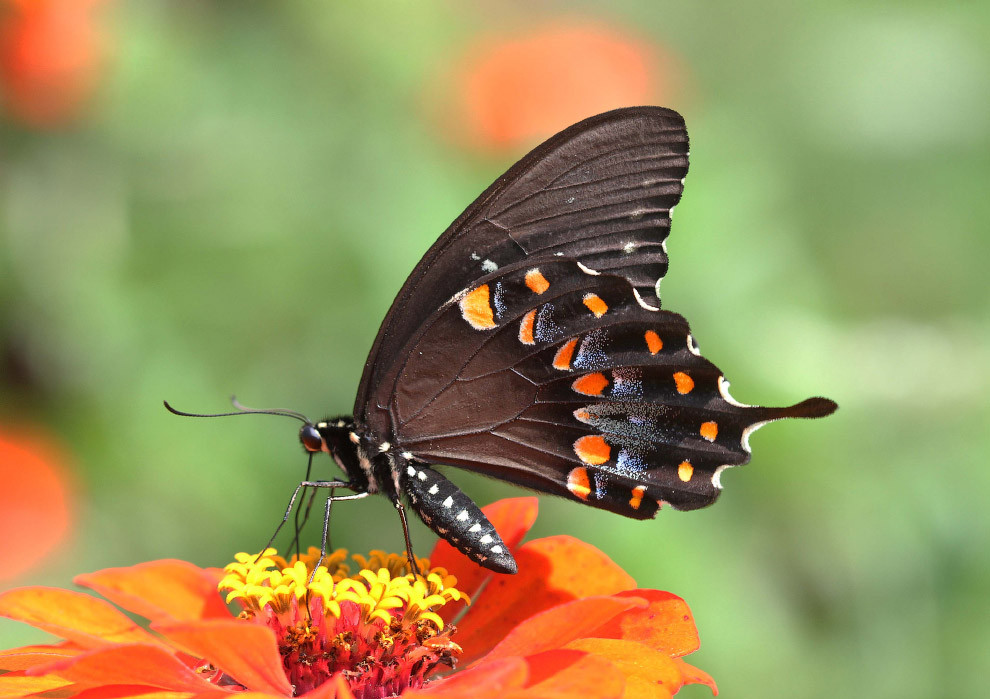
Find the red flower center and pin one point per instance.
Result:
(378, 628)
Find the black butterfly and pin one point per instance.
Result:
(528, 344)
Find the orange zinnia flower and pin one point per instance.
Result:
(50, 56)
(34, 499)
(571, 623)
(510, 91)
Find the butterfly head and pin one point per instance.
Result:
(311, 438)
(331, 436)
(339, 438)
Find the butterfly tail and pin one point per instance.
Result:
(809, 408)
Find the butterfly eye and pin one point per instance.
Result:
(311, 438)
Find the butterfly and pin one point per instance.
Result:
(529, 345)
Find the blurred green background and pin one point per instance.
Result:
(234, 204)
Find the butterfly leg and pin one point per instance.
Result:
(294, 544)
(326, 519)
(410, 556)
(295, 495)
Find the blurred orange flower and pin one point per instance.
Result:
(520, 89)
(34, 500)
(572, 623)
(50, 56)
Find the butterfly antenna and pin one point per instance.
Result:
(241, 410)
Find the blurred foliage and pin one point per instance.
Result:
(234, 207)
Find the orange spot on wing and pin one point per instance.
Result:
(476, 308)
(685, 470)
(590, 384)
(653, 342)
(526, 328)
(595, 304)
(592, 449)
(684, 383)
(578, 482)
(562, 360)
(536, 282)
(637, 496)
(582, 415)
(709, 430)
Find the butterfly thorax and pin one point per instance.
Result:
(349, 447)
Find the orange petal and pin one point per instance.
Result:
(247, 652)
(486, 679)
(35, 500)
(334, 688)
(693, 675)
(649, 674)
(552, 570)
(512, 518)
(88, 621)
(556, 627)
(15, 684)
(167, 590)
(132, 691)
(29, 656)
(571, 674)
(520, 88)
(666, 625)
(135, 664)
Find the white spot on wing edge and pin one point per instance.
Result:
(717, 476)
(475, 528)
(723, 388)
(486, 539)
(748, 431)
(462, 516)
(641, 302)
(692, 346)
(496, 549)
(587, 270)
(449, 502)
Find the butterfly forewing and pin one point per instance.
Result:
(599, 192)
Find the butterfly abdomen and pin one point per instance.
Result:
(454, 516)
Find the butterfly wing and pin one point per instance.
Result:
(528, 343)
(600, 192)
(561, 381)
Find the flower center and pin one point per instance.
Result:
(378, 627)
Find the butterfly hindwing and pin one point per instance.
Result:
(562, 381)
